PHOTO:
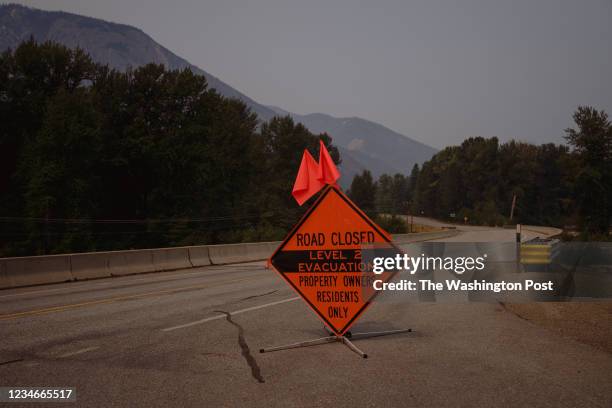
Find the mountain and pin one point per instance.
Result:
(379, 149)
(363, 144)
(117, 45)
(370, 145)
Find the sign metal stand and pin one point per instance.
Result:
(344, 339)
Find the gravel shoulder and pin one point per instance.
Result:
(589, 323)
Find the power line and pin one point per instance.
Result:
(137, 221)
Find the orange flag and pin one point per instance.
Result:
(306, 183)
(328, 173)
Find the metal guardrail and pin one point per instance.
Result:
(539, 251)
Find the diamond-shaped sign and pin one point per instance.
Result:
(328, 259)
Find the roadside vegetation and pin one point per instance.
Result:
(555, 185)
(92, 158)
(96, 159)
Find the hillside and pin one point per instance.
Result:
(363, 144)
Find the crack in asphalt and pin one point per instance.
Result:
(263, 294)
(246, 351)
(11, 361)
(505, 308)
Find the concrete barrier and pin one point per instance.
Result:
(122, 263)
(4, 281)
(90, 265)
(36, 270)
(16, 272)
(235, 253)
(199, 256)
(167, 259)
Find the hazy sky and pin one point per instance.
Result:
(436, 71)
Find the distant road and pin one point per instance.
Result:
(473, 233)
(163, 340)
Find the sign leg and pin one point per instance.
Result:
(354, 348)
(342, 339)
(367, 335)
(307, 343)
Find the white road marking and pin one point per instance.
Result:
(222, 316)
(81, 351)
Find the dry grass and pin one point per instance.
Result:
(589, 323)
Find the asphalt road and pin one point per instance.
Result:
(166, 339)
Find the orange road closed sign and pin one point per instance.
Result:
(328, 259)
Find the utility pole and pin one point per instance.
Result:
(512, 208)
(407, 204)
(518, 247)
